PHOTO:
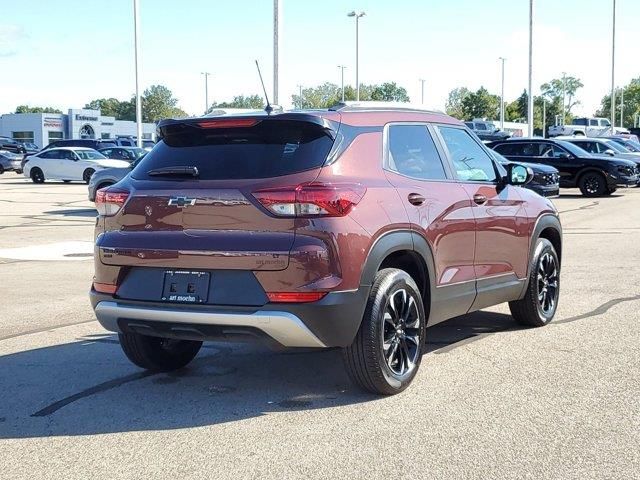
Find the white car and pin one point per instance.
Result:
(67, 164)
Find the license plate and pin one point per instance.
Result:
(185, 286)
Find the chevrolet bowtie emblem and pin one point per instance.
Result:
(181, 201)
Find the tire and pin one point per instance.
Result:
(66, 181)
(86, 175)
(391, 370)
(610, 191)
(540, 302)
(578, 134)
(592, 184)
(37, 176)
(1, 169)
(104, 185)
(158, 354)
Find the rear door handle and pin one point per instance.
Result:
(416, 199)
(479, 199)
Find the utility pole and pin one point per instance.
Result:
(277, 10)
(299, 96)
(342, 67)
(621, 108)
(530, 102)
(544, 117)
(502, 59)
(136, 40)
(206, 91)
(564, 93)
(357, 16)
(422, 90)
(613, 69)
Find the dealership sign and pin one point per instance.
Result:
(52, 122)
(86, 118)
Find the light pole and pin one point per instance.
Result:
(357, 17)
(422, 90)
(564, 93)
(502, 59)
(342, 67)
(206, 91)
(622, 107)
(613, 69)
(299, 96)
(530, 102)
(277, 24)
(544, 117)
(136, 40)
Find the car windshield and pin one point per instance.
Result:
(616, 147)
(90, 155)
(577, 151)
(633, 145)
(138, 152)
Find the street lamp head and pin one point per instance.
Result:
(353, 13)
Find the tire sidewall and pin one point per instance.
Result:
(87, 174)
(543, 246)
(389, 285)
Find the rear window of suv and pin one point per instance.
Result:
(267, 149)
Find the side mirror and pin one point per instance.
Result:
(610, 152)
(518, 174)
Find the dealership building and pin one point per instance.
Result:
(44, 128)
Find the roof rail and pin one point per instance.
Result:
(352, 106)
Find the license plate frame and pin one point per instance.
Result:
(185, 286)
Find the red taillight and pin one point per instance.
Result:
(105, 288)
(109, 201)
(228, 123)
(295, 297)
(312, 199)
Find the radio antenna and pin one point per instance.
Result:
(268, 108)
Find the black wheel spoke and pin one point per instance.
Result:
(401, 332)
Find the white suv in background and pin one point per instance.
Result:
(67, 164)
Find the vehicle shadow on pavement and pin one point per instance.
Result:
(88, 387)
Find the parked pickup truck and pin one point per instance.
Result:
(587, 127)
(486, 130)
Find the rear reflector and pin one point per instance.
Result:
(109, 201)
(228, 123)
(295, 297)
(105, 288)
(313, 199)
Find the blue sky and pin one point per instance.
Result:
(67, 52)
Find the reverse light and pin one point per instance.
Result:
(295, 297)
(109, 201)
(228, 123)
(312, 199)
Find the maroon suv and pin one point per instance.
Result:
(354, 227)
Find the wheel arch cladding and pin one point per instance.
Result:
(548, 226)
(407, 251)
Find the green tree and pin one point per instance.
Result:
(240, 101)
(631, 103)
(158, 103)
(553, 92)
(388, 92)
(110, 107)
(28, 109)
(322, 96)
(453, 105)
(480, 104)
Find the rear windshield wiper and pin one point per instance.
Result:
(176, 171)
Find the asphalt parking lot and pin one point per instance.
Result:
(491, 400)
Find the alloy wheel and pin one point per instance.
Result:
(592, 184)
(401, 332)
(547, 283)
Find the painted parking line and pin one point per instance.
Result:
(60, 251)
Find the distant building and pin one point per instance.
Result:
(44, 128)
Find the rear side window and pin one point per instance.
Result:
(413, 153)
(470, 161)
(267, 149)
(509, 149)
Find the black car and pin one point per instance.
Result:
(87, 143)
(545, 180)
(594, 175)
(128, 154)
(604, 146)
(11, 145)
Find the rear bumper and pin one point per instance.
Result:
(330, 322)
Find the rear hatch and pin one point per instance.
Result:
(191, 201)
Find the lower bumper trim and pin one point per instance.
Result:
(284, 327)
